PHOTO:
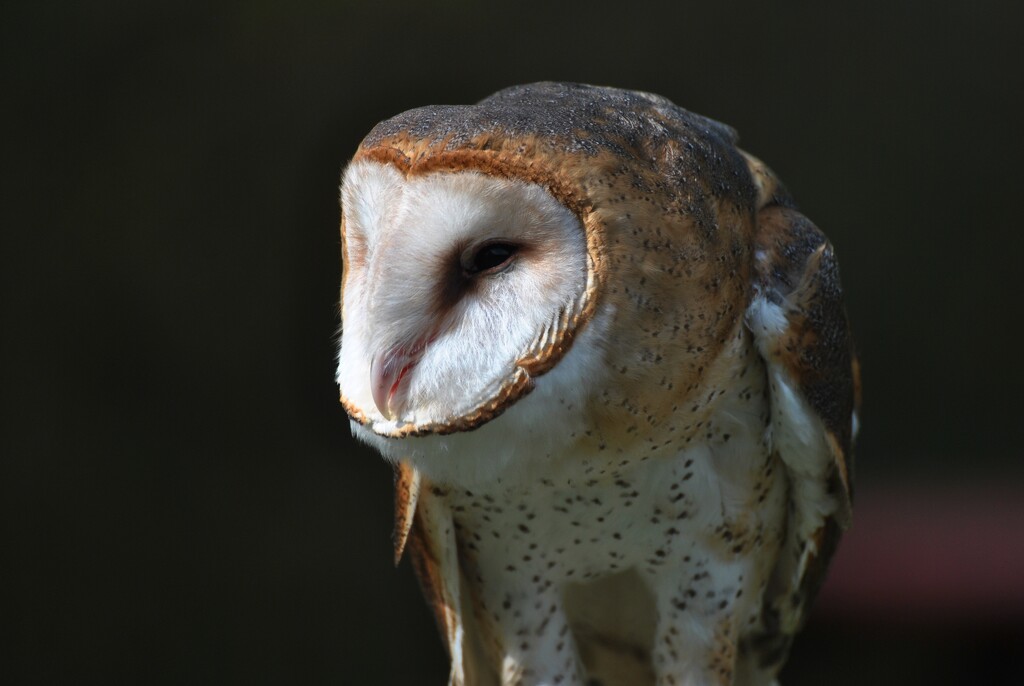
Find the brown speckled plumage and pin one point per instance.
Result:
(686, 497)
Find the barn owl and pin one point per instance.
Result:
(609, 361)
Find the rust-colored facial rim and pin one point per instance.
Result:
(551, 345)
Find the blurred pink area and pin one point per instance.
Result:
(931, 554)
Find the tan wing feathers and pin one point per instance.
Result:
(801, 330)
(433, 550)
(798, 272)
(407, 493)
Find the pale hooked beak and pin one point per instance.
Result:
(388, 371)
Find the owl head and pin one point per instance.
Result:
(496, 255)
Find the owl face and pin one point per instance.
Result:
(452, 280)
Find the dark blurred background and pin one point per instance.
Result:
(181, 500)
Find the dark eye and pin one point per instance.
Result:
(489, 258)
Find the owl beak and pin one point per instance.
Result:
(388, 370)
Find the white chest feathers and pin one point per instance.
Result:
(627, 551)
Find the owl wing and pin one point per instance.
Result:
(800, 328)
(424, 525)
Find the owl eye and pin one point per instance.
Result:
(490, 258)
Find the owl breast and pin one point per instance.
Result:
(695, 524)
